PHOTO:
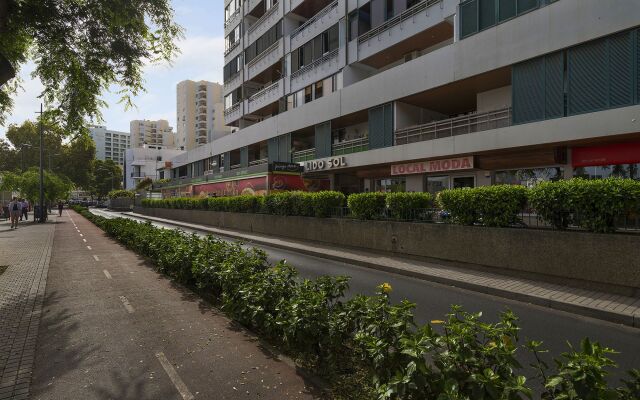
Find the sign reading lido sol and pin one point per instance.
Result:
(328, 163)
(450, 164)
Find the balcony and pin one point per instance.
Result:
(258, 162)
(233, 113)
(273, 15)
(327, 65)
(425, 23)
(233, 19)
(315, 25)
(264, 60)
(266, 96)
(251, 4)
(454, 126)
(232, 47)
(233, 82)
(304, 155)
(350, 146)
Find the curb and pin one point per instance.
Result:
(605, 315)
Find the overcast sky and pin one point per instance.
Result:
(201, 59)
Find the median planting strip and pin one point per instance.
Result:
(367, 335)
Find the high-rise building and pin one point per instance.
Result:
(200, 114)
(110, 145)
(422, 95)
(152, 134)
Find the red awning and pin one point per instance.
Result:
(620, 153)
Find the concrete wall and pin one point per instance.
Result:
(495, 99)
(607, 262)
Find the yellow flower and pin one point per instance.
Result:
(492, 345)
(386, 288)
(437, 321)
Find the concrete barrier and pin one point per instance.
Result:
(608, 262)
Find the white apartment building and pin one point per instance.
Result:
(110, 145)
(152, 134)
(200, 114)
(141, 163)
(422, 95)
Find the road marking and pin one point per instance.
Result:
(81, 234)
(107, 274)
(89, 247)
(175, 378)
(84, 240)
(95, 257)
(126, 304)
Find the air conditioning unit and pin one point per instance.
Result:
(411, 56)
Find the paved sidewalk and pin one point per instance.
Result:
(25, 254)
(610, 307)
(114, 328)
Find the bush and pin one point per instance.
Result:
(325, 202)
(373, 341)
(496, 205)
(145, 183)
(594, 205)
(118, 194)
(403, 205)
(367, 205)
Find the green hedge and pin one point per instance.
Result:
(594, 205)
(117, 194)
(497, 205)
(404, 205)
(367, 341)
(367, 205)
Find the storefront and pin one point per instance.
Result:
(614, 160)
(434, 176)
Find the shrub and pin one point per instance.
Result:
(552, 202)
(117, 194)
(496, 205)
(367, 205)
(325, 202)
(145, 183)
(403, 205)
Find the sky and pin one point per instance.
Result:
(201, 59)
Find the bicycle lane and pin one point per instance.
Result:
(112, 327)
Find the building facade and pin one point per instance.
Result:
(200, 114)
(110, 145)
(152, 134)
(154, 163)
(410, 95)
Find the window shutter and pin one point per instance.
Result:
(323, 140)
(620, 70)
(468, 18)
(526, 5)
(554, 85)
(588, 75)
(506, 9)
(487, 13)
(528, 91)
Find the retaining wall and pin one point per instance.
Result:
(604, 261)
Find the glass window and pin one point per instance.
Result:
(395, 184)
(460, 182)
(437, 184)
(631, 171)
(308, 94)
(318, 89)
(528, 176)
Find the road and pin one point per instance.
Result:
(433, 300)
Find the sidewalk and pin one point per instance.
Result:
(24, 257)
(114, 328)
(610, 307)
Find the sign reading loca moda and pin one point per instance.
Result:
(327, 163)
(449, 164)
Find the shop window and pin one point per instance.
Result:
(629, 171)
(436, 184)
(461, 182)
(386, 185)
(528, 176)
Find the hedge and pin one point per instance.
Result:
(117, 194)
(404, 205)
(367, 205)
(368, 341)
(497, 205)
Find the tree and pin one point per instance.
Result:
(107, 177)
(28, 185)
(81, 48)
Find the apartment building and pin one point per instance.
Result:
(423, 95)
(142, 163)
(110, 144)
(200, 114)
(152, 134)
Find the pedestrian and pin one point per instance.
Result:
(60, 207)
(25, 210)
(15, 210)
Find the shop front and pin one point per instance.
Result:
(613, 160)
(434, 176)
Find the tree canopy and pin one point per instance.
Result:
(81, 48)
(107, 177)
(56, 187)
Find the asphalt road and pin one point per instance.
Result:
(554, 328)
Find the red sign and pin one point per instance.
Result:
(252, 186)
(620, 153)
(450, 164)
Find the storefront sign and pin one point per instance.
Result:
(327, 163)
(450, 164)
(285, 167)
(621, 153)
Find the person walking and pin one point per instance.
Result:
(60, 207)
(25, 210)
(15, 210)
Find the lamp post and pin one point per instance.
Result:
(43, 209)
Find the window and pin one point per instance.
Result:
(315, 48)
(318, 89)
(631, 171)
(528, 176)
(231, 9)
(233, 98)
(308, 95)
(263, 42)
(232, 68)
(232, 38)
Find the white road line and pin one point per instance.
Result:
(107, 274)
(95, 257)
(89, 247)
(126, 304)
(175, 378)
(84, 240)
(81, 234)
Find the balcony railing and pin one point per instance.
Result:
(304, 155)
(260, 20)
(233, 46)
(232, 16)
(398, 19)
(236, 166)
(316, 63)
(263, 92)
(258, 162)
(350, 146)
(232, 109)
(315, 18)
(454, 126)
(264, 53)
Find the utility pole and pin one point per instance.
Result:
(43, 208)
